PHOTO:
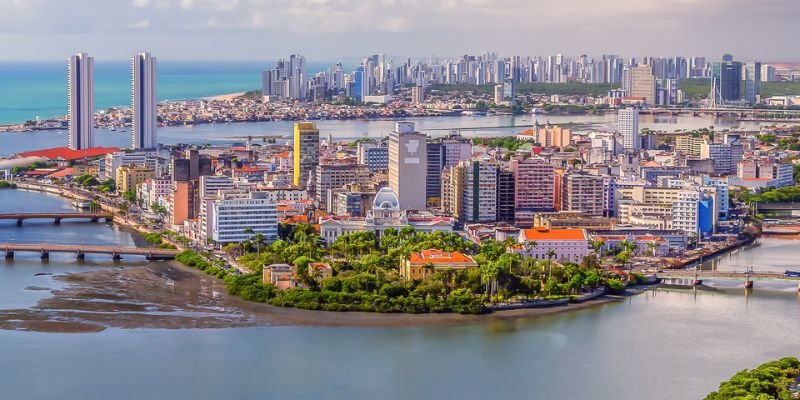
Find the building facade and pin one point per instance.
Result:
(80, 102)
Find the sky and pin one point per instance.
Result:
(345, 30)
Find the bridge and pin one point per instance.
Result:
(80, 251)
(57, 217)
(695, 277)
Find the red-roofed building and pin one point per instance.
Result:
(417, 265)
(568, 244)
(62, 155)
(61, 174)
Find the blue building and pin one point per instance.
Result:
(358, 84)
(705, 215)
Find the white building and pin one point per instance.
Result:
(568, 244)
(115, 160)
(628, 127)
(232, 213)
(80, 103)
(408, 166)
(685, 211)
(143, 102)
(385, 213)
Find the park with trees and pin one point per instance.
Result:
(366, 273)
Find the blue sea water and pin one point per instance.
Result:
(30, 89)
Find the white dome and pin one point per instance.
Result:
(386, 199)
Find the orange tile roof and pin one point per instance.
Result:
(554, 234)
(65, 153)
(439, 256)
(295, 219)
(60, 174)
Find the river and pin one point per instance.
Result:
(663, 344)
(11, 143)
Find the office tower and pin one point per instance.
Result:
(505, 196)
(752, 82)
(628, 127)
(80, 85)
(305, 151)
(726, 77)
(768, 73)
(143, 101)
(408, 165)
(359, 85)
(534, 186)
(233, 214)
(640, 82)
(332, 177)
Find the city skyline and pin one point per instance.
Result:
(340, 30)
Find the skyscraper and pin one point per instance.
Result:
(80, 86)
(143, 101)
(408, 163)
(726, 77)
(306, 151)
(628, 127)
(640, 82)
(752, 81)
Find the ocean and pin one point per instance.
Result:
(31, 89)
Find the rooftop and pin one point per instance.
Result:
(439, 257)
(67, 154)
(554, 234)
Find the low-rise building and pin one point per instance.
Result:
(421, 265)
(566, 244)
(131, 176)
(282, 276)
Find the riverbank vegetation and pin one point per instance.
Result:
(772, 380)
(365, 274)
(7, 185)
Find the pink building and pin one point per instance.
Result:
(534, 189)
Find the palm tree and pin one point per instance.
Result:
(651, 248)
(246, 243)
(407, 232)
(529, 246)
(550, 255)
(258, 239)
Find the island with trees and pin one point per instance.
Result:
(771, 380)
(365, 273)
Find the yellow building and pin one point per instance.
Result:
(83, 169)
(305, 152)
(418, 264)
(130, 176)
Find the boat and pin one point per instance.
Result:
(82, 204)
(793, 274)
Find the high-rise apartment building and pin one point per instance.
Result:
(305, 151)
(582, 192)
(80, 86)
(479, 190)
(143, 101)
(534, 186)
(640, 82)
(408, 163)
(628, 127)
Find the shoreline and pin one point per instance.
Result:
(168, 295)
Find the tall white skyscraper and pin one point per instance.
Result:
(80, 103)
(628, 127)
(143, 101)
(408, 165)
